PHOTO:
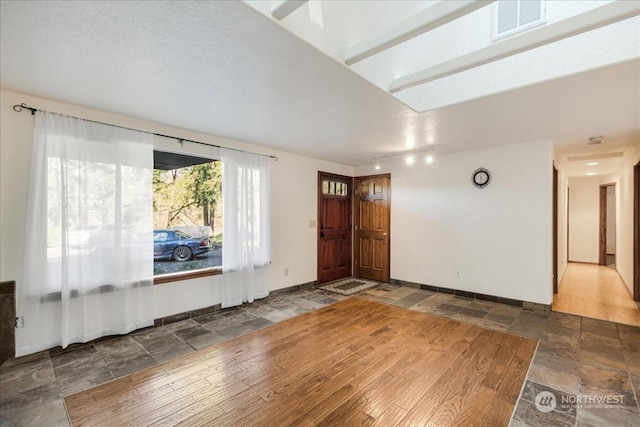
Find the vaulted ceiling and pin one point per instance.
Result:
(233, 69)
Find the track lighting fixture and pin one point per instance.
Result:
(409, 156)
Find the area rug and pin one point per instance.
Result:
(349, 286)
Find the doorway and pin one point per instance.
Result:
(334, 227)
(372, 227)
(607, 245)
(354, 206)
(589, 286)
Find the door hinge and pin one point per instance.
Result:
(20, 322)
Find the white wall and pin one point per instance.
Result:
(294, 181)
(584, 217)
(611, 220)
(499, 237)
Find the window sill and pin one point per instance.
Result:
(176, 277)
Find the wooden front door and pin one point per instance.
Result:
(334, 227)
(372, 227)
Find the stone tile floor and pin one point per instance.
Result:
(579, 360)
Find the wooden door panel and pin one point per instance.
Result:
(379, 220)
(372, 259)
(372, 227)
(379, 260)
(364, 214)
(372, 253)
(373, 215)
(366, 252)
(334, 227)
(335, 215)
(343, 254)
(326, 254)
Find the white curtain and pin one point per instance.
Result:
(245, 238)
(88, 261)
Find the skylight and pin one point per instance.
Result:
(432, 54)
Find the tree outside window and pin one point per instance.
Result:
(187, 210)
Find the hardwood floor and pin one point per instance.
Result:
(355, 362)
(596, 291)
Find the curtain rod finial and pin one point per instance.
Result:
(19, 107)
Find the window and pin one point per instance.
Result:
(159, 237)
(513, 16)
(187, 215)
(335, 188)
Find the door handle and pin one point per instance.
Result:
(321, 234)
(384, 234)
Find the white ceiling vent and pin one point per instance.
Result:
(596, 140)
(513, 16)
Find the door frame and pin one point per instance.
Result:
(356, 205)
(636, 231)
(602, 245)
(322, 175)
(555, 229)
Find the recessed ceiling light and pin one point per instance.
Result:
(591, 173)
(429, 159)
(592, 163)
(410, 160)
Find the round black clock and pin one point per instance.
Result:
(481, 177)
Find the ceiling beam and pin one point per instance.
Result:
(283, 8)
(432, 17)
(587, 21)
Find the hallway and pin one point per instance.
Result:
(596, 291)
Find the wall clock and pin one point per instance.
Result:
(481, 177)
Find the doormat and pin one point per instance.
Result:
(349, 286)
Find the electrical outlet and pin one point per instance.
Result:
(286, 271)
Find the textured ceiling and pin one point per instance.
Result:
(224, 68)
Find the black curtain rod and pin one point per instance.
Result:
(20, 107)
